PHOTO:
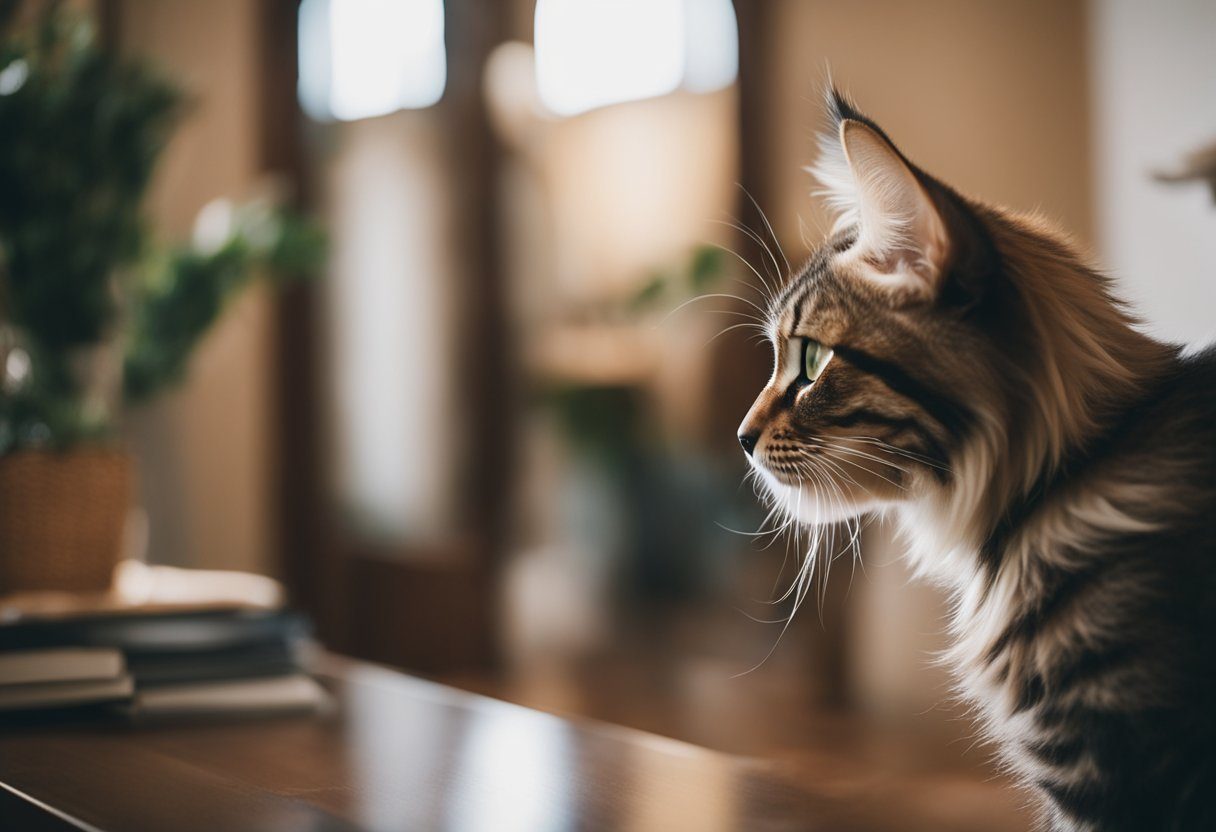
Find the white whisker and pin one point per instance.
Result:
(710, 296)
(767, 225)
(751, 235)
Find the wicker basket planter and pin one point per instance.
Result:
(62, 517)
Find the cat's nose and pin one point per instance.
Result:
(748, 441)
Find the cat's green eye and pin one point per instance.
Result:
(815, 357)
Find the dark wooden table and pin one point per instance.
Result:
(399, 753)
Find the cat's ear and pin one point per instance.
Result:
(901, 239)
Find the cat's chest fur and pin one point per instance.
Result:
(1075, 644)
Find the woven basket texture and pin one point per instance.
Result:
(62, 517)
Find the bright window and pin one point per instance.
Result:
(366, 58)
(591, 53)
(711, 36)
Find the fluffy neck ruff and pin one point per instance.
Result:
(1087, 366)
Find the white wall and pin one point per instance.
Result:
(1153, 71)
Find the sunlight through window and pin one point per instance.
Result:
(711, 37)
(591, 53)
(366, 58)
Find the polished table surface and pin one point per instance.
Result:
(400, 753)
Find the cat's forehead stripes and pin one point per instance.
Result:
(816, 302)
(815, 306)
(815, 270)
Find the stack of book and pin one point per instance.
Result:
(156, 659)
(62, 676)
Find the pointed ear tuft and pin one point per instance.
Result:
(831, 170)
(841, 107)
(901, 239)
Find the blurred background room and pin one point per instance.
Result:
(469, 387)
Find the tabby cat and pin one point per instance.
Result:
(962, 368)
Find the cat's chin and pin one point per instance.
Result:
(809, 505)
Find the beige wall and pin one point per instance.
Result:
(203, 449)
(991, 97)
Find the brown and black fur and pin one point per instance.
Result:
(1051, 465)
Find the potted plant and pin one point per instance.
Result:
(94, 316)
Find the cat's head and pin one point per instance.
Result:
(898, 342)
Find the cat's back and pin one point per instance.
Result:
(1179, 429)
(1157, 751)
(1195, 394)
(1177, 458)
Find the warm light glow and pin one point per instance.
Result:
(366, 58)
(590, 53)
(595, 52)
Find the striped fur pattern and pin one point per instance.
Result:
(1047, 462)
